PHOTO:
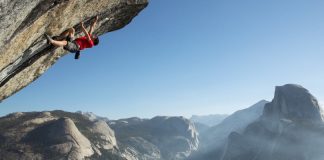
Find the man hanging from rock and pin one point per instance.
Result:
(67, 41)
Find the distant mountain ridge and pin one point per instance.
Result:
(209, 120)
(214, 138)
(75, 136)
(93, 117)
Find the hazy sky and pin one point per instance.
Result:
(181, 57)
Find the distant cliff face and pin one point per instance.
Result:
(24, 54)
(295, 103)
(167, 138)
(75, 136)
(291, 127)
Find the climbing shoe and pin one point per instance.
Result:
(49, 39)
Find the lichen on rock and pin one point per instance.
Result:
(24, 53)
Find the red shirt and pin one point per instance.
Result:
(83, 42)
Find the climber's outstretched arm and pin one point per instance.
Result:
(93, 24)
(85, 32)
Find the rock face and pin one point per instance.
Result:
(107, 138)
(293, 102)
(24, 54)
(167, 138)
(291, 127)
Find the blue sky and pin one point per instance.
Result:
(188, 57)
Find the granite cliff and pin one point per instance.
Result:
(291, 127)
(24, 54)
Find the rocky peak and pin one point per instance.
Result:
(291, 127)
(293, 102)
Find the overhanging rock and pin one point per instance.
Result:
(24, 54)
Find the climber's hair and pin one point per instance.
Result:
(95, 40)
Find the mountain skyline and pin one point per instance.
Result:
(2, 113)
(285, 128)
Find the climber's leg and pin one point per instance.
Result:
(59, 43)
(69, 33)
(68, 45)
(55, 42)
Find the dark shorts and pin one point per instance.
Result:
(71, 46)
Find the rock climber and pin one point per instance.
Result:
(67, 41)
